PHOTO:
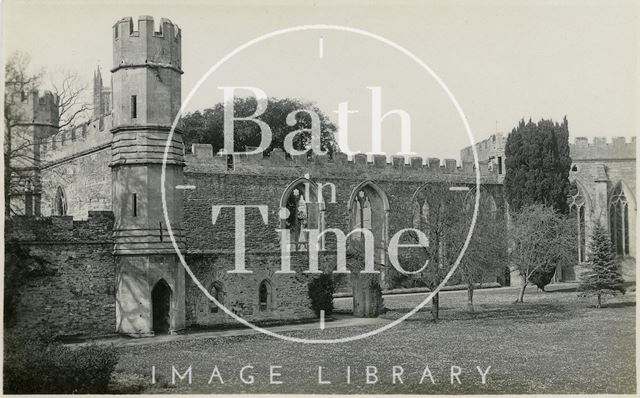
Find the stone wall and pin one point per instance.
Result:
(76, 294)
(85, 180)
(254, 180)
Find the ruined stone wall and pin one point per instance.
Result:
(75, 293)
(254, 180)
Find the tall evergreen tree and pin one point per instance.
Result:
(537, 161)
(603, 277)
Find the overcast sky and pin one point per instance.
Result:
(502, 60)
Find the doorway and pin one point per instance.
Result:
(161, 307)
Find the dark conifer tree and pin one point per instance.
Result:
(537, 161)
(603, 277)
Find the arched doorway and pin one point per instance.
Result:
(161, 307)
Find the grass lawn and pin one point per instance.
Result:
(552, 343)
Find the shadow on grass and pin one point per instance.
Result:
(622, 304)
(525, 312)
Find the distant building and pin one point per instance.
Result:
(603, 177)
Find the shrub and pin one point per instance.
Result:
(321, 294)
(603, 277)
(35, 364)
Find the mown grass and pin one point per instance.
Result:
(552, 343)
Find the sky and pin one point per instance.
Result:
(500, 60)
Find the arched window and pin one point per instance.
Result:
(576, 202)
(60, 203)
(264, 296)
(304, 210)
(368, 208)
(217, 292)
(619, 220)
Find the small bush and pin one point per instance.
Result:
(35, 364)
(321, 294)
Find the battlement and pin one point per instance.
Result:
(486, 149)
(600, 149)
(146, 46)
(77, 140)
(98, 227)
(37, 107)
(202, 160)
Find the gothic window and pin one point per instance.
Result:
(60, 203)
(303, 211)
(576, 203)
(264, 296)
(619, 221)
(369, 206)
(217, 292)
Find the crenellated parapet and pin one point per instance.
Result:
(139, 44)
(98, 227)
(37, 108)
(78, 140)
(202, 160)
(599, 149)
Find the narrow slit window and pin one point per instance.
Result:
(135, 205)
(134, 106)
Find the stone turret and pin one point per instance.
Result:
(146, 78)
(36, 117)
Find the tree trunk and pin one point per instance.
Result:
(521, 296)
(470, 296)
(435, 306)
(7, 171)
(599, 302)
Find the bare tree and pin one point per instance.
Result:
(19, 79)
(541, 238)
(444, 214)
(70, 88)
(21, 142)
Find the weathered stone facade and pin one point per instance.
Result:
(75, 294)
(604, 174)
(115, 164)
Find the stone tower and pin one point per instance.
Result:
(146, 75)
(37, 120)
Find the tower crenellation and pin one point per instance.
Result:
(142, 44)
(599, 149)
(39, 108)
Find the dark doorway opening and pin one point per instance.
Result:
(161, 307)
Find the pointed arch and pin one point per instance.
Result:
(265, 296)
(60, 202)
(216, 289)
(579, 207)
(305, 209)
(161, 297)
(622, 219)
(369, 209)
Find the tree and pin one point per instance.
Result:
(206, 127)
(604, 277)
(17, 145)
(487, 248)
(21, 153)
(540, 238)
(445, 216)
(537, 162)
